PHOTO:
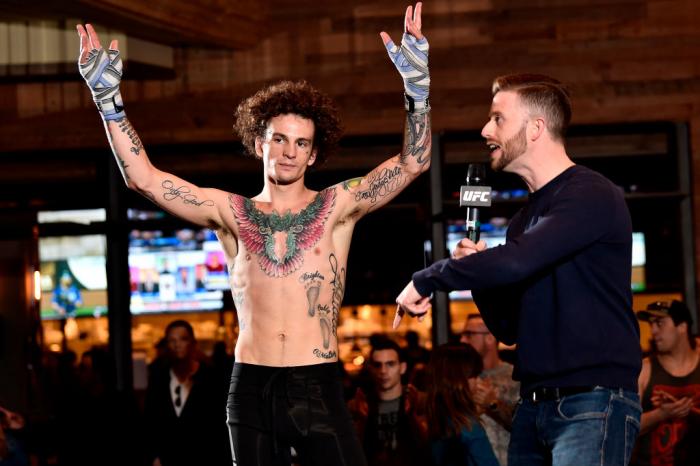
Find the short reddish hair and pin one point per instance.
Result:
(541, 94)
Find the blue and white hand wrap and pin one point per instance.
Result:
(411, 59)
(103, 72)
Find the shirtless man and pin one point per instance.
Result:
(286, 247)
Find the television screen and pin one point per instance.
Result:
(73, 276)
(184, 270)
(639, 260)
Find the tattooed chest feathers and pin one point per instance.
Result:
(280, 240)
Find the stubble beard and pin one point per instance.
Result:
(511, 150)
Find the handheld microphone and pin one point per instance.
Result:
(474, 195)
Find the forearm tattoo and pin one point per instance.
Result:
(125, 127)
(183, 192)
(417, 138)
(122, 167)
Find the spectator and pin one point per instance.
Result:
(669, 386)
(12, 452)
(497, 393)
(457, 437)
(388, 418)
(183, 411)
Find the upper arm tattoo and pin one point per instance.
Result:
(123, 166)
(417, 138)
(183, 192)
(352, 183)
(279, 241)
(381, 183)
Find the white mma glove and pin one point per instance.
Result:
(411, 59)
(103, 72)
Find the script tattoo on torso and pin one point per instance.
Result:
(328, 316)
(279, 240)
(338, 284)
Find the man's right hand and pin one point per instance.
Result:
(484, 394)
(411, 302)
(102, 71)
(466, 247)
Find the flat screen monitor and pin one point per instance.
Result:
(178, 271)
(73, 276)
(639, 260)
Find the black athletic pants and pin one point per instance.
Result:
(271, 409)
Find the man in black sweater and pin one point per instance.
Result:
(559, 287)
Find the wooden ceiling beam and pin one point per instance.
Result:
(214, 23)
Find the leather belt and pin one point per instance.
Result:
(556, 393)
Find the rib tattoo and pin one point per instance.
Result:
(338, 283)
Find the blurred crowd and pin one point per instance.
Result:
(451, 405)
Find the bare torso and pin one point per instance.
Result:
(287, 273)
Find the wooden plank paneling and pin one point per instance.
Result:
(214, 23)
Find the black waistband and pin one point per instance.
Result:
(327, 371)
(556, 393)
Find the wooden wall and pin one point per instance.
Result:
(626, 60)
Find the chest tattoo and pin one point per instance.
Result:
(279, 240)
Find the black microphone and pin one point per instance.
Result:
(474, 195)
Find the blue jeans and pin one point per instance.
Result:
(592, 428)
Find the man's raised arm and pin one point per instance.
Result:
(102, 71)
(388, 179)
